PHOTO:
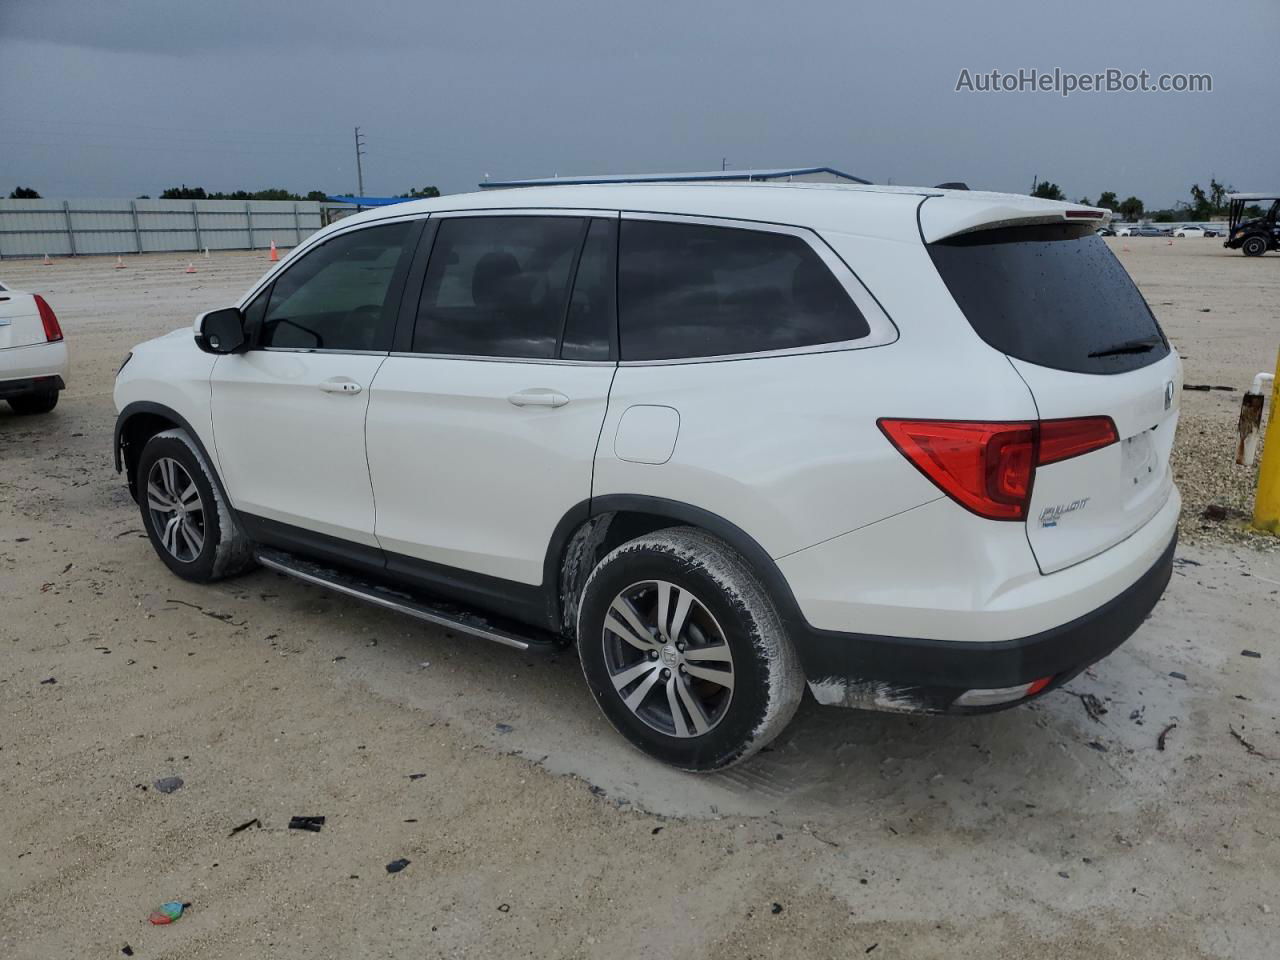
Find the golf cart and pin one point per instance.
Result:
(1259, 234)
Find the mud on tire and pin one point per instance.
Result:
(213, 546)
(712, 600)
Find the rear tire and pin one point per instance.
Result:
(184, 513)
(1254, 246)
(29, 403)
(684, 651)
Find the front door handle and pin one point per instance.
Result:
(339, 385)
(538, 397)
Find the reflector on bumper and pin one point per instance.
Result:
(994, 695)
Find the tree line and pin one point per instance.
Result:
(1211, 204)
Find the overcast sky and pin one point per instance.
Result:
(119, 98)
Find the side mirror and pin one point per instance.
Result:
(221, 331)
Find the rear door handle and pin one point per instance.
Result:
(538, 397)
(339, 385)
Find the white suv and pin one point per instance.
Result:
(909, 447)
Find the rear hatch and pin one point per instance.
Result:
(20, 323)
(1053, 298)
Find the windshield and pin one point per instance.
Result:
(1050, 294)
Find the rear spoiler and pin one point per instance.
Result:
(942, 217)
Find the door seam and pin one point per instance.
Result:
(364, 443)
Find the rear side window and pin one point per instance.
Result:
(340, 296)
(689, 290)
(498, 286)
(1051, 295)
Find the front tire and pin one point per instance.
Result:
(29, 403)
(184, 513)
(684, 651)
(1254, 246)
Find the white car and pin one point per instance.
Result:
(33, 353)
(734, 441)
(1191, 232)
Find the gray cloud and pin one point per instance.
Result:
(129, 97)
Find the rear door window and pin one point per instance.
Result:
(498, 286)
(1052, 295)
(690, 290)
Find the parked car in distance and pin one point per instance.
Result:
(1105, 232)
(905, 447)
(33, 353)
(1194, 231)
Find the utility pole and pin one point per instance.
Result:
(359, 166)
(724, 163)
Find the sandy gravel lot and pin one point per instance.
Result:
(1035, 832)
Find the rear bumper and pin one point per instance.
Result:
(927, 676)
(33, 361)
(18, 388)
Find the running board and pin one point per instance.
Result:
(441, 615)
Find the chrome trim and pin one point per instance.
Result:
(553, 361)
(352, 353)
(413, 610)
(839, 347)
(524, 212)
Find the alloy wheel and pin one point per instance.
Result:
(177, 511)
(668, 658)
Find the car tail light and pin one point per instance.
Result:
(984, 467)
(989, 468)
(1064, 439)
(52, 331)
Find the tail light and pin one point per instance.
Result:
(52, 331)
(1064, 439)
(989, 468)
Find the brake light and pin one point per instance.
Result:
(52, 331)
(989, 467)
(1064, 439)
(985, 467)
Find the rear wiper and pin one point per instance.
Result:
(1128, 346)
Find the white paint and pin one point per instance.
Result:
(1117, 505)
(464, 478)
(288, 449)
(647, 434)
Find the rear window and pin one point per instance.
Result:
(1052, 295)
(688, 290)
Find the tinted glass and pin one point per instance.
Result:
(339, 296)
(497, 286)
(1052, 295)
(590, 322)
(686, 290)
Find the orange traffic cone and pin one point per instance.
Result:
(119, 264)
(1171, 241)
(46, 261)
(273, 257)
(191, 268)
(1125, 248)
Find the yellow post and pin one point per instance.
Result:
(1266, 504)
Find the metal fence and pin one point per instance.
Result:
(62, 228)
